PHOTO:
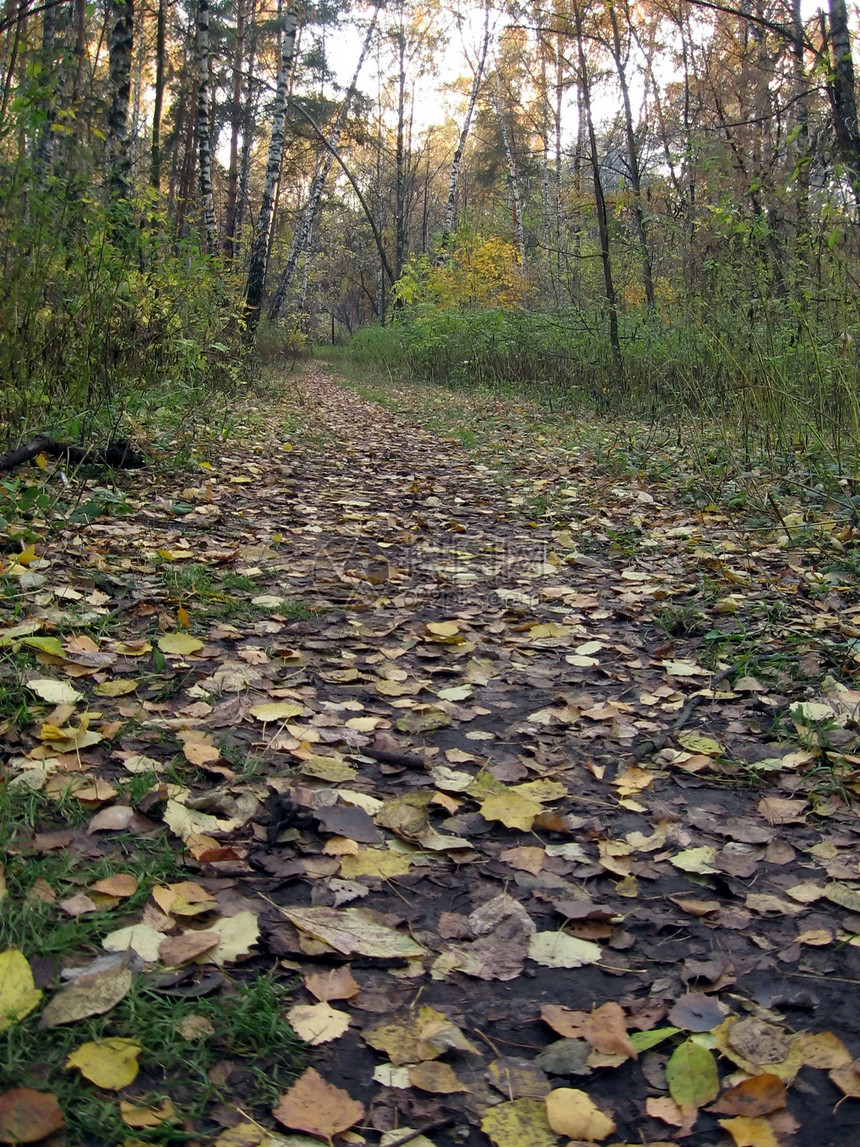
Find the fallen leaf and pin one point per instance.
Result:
(519, 1123)
(314, 1105)
(558, 950)
(691, 1074)
(351, 931)
(572, 1112)
(606, 1030)
(27, 1116)
(336, 984)
(318, 1023)
(746, 1132)
(436, 1077)
(137, 1115)
(55, 692)
(88, 995)
(108, 1063)
(18, 992)
(179, 644)
(752, 1097)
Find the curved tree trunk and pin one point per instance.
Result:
(461, 142)
(302, 233)
(260, 248)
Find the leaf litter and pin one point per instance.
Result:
(544, 796)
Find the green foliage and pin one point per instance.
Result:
(105, 316)
(773, 385)
(478, 272)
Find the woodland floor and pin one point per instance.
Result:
(501, 831)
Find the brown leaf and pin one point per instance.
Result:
(336, 984)
(436, 1077)
(606, 1030)
(314, 1105)
(697, 1012)
(188, 946)
(89, 995)
(27, 1116)
(752, 1097)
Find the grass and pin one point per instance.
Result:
(242, 1025)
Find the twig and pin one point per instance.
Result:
(433, 1125)
(655, 744)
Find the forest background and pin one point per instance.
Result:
(647, 207)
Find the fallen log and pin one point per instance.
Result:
(121, 455)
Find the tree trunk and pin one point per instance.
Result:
(302, 233)
(259, 250)
(120, 49)
(204, 127)
(400, 158)
(632, 153)
(513, 175)
(247, 132)
(235, 121)
(843, 97)
(599, 199)
(158, 97)
(464, 133)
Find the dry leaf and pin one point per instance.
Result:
(27, 1116)
(318, 1023)
(18, 992)
(571, 1112)
(519, 1123)
(89, 995)
(108, 1063)
(318, 1107)
(337, 984)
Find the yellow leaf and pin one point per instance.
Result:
(26, 556)
(54, 692)
(571, 1112)
(136, 1115)
(520, 1123)
(512, 810)
(182, 616)
(443, 628)
(237, 934)
(381, 862)
(41, 460)
(18, 992)
(116, 688)
(318, 1023)
(748, 1132)
(108, 1063)
(558, 950)
(275, 710)
(179, 644)
(698, 743)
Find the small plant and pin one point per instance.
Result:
(680, 620)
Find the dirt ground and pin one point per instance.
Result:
(583, 746)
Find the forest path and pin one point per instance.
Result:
(455, 775)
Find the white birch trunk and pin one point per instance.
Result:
(260, 248)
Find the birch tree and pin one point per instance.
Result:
(301, 236)
(204, 126)
(260, 248)
(464, 131)
(121, 17)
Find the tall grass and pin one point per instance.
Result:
(774, 386)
